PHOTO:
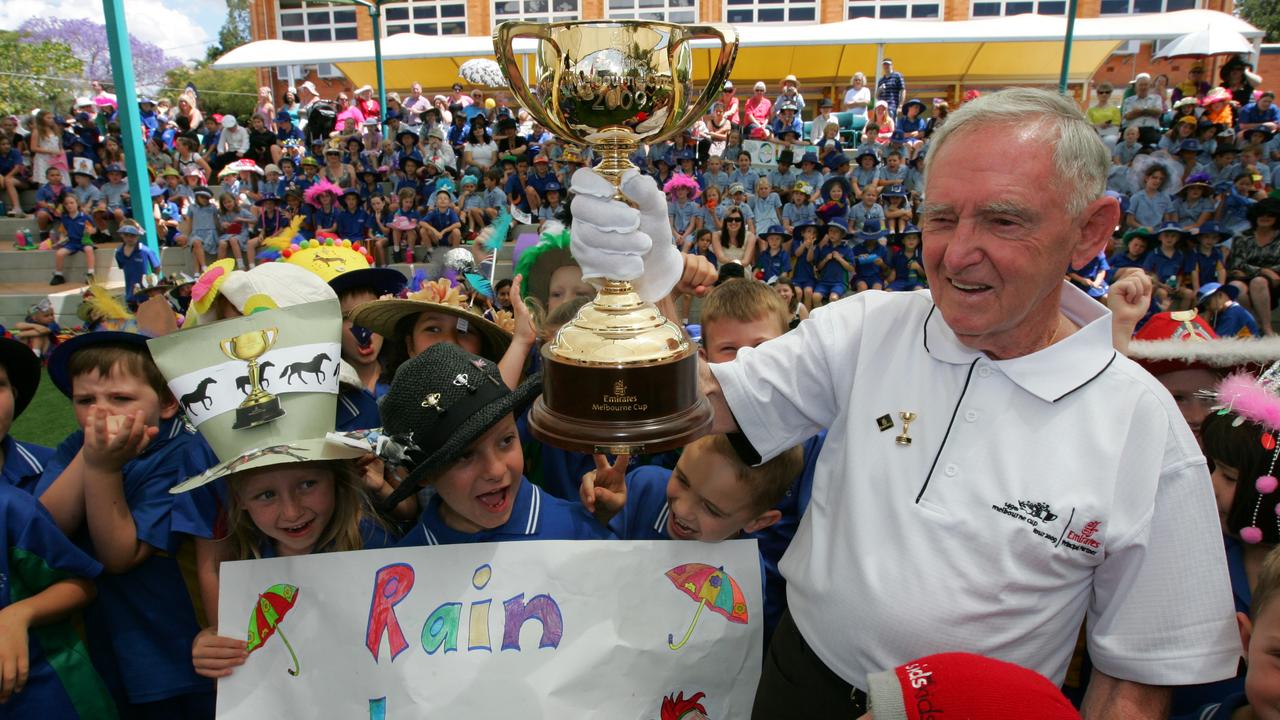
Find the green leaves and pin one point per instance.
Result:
(30, 74)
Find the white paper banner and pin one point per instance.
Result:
(217, 389)
(764, 154)
(545, 629)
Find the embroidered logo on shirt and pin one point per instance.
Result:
(1041, 517)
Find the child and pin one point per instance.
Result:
(233, 224)
(1167, 265)
(865, 173)
(766, 207)
(871, 260)
(791, 297)
(322, 208)
(682, 212)
(894, 171)
(49, 200)
(442, 225)
(20, 463)
(271, 220)
(775, 262)
(88, 194)
(1194, 205)
(405, 230)
(1127, 149)
(801, 209)
(134, 258)
(1237, 200)
(1092, 277)
(803, 275)
(810, 172)
(715, 176)
(108, 488)
(833, 259)
(907, 265)
(353, 221)
(1134, 253)
(1151, 206)
(75, 230)
(552, 206)
(835, 205)
(742, 174)
(867, 209)
(1217, 304)
(201, 228)
(1206, 261)
(471, 202)
(469, 451)
(897, 211)
(13, 178)
(115, 190)
(39, 331)
(380, 216)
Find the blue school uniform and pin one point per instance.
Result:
(1189, 213)
(352, 225)
(1122, 260)
(859, 214)
(73, 228)
(1207, 264)
(803, 275)
(357, 410)
(864, 263)
(535, 515)
(895, 177)
(318, 218)
(773, 265)
(61, 683)
(23, 463)
(141, 626)
(1235, 320)
(1090, 270)
(10, 161)
(797, 214)
(1187, 698)
(904, 276)
(682, 214)
(748, 179)
(442, 219)
(134, 265)
(1150, 210)
(832, 277)
(1167, 269)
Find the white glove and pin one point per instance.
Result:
(611, 239)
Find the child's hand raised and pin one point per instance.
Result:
(110, 441)
(604, 490)
(525, 331)
(214, 656)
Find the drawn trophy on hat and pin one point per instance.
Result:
(259, 407)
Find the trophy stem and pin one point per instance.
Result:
(615, 159)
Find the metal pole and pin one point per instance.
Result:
(135, 152)
(1066, 47)
(374, 15)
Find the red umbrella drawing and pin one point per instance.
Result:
(272, 606)
(712, 588)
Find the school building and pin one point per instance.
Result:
(305, 20)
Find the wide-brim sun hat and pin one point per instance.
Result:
(440, 296)
(23, 368)
(1208, 289)
(444, 399)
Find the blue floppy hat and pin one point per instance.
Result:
(894, 191)
(871, 230)
(795, 229)
(1214, 228)
(910, 230)
(777, 230)
(60, 358)
(1208, 289)
(837, 224)
(1169, 227)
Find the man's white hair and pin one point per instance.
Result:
(1080, 158)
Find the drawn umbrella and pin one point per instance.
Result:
(712, 588)
(272, 606)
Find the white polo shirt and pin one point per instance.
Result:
(1036, 492)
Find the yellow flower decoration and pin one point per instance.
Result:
(505, 320)
(441, 292)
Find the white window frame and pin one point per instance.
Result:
(755, 6)
(388, 25)
(551, 14)
(307, 26)
(1035, 7)
(662, 11)
(879, 5)
(1164, 7)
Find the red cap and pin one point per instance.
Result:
(962, 685)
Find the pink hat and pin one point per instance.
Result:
(680, 180)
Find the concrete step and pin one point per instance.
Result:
(17, 298)
(29, 266)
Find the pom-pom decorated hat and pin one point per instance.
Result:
(344, 265)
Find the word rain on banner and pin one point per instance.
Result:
(544, 629)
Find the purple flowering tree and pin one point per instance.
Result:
(88, 42)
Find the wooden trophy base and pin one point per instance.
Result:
(620, 409)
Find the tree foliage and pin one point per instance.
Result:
(88, 42)
(1262, 14)
(26, 69)
(214, 88)
(235, 30)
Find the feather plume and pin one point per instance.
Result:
(418, 280)
(321, 187)
(492, 237)
(284, 238)
(104, 305)
(480, 284)
(1243, 395)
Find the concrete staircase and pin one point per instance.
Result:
(24, 275)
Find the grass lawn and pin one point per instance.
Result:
(48, 419)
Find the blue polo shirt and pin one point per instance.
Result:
(773, 265)
(833, 272)
(1150, 210)
(1122, 260)
(1187, 698)
(805, 212)
(1236, 321)
(1207, 264)
(352, 225)
(682, 214)
(74, 228)
(905, 277)
(141, 625)
(357, 410)
(803, 274)
(318, 218)
(864, 262)
(1168, 269)
(23, 464)
(37, 555)
(134, 265)
(535, 515)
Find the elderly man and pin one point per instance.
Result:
(1143, 108)
(414, 105)
(995, 473)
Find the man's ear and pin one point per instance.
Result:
(762, 521)
(1097, 223)
(1246, 631)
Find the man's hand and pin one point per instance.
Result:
(604, 490)
(110, 441)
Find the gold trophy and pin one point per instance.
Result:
(620, 377)
(259, 406)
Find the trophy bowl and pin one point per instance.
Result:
(619, 377)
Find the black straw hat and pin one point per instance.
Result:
(440, 402)
(23, 369)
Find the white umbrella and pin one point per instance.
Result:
(1212, 40)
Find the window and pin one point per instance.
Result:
(770, 11)
(534, 10)
(676, 11)
(315, 21)
(894, 9)
(425, 17)
(1133, 7)
(994, 8)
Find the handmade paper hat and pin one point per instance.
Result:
(23, 368)
(538, 263)
(440, 296)
(262, 389)
(343, 265)
(444, 399)
(963, 685)
(1182, 340)
(265, 287)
